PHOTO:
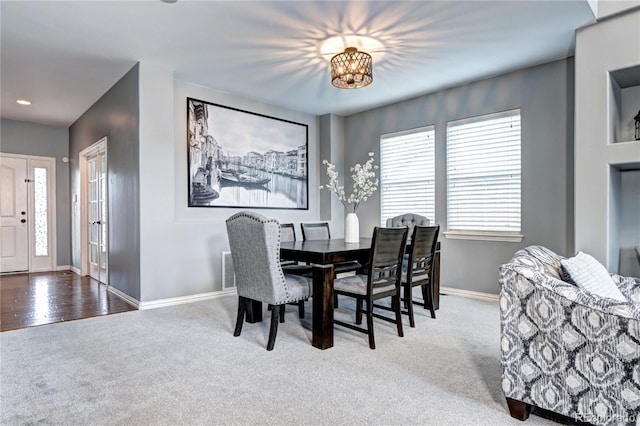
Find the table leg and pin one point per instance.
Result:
(254, 312)
(322, 306)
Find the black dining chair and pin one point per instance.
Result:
(320, 231)
(382, 280)
(419, 269)
(288, 233)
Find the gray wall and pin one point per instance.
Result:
(544, 95)
(20, 137)
(116, 116)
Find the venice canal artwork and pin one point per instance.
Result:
(243, 159)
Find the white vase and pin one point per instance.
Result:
(351, 228)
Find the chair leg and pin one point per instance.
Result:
(335, 301)
(359, 311)
(428, 296)
(408, 297)
(372, 342)
(242, 307)
(395, 302)
(273, 330)
(301, 309)
(281, 313)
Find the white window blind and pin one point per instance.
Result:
(483, 174)
(407, 175)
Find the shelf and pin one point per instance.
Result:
(624, 103)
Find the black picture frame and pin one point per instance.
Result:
(242, 159)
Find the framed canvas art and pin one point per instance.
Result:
(244, 159)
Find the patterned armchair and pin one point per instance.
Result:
(564, 349)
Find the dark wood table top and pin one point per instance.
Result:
(325, 251)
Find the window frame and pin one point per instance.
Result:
(484, 234)
(430, 130)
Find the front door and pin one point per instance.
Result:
(97, 215)
(14, 228)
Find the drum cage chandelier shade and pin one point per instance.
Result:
(351, 69)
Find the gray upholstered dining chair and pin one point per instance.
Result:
(409, 220)
(419, 269)
(254, 241)
(382, 280)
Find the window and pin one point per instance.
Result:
(407, 175)
(41, 228)
(483, 177)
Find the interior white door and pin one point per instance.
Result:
(14, 229)
(97, 216)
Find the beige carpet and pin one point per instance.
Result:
(182, 365)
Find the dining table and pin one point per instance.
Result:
(322, 255)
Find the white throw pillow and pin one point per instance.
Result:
(590, 275)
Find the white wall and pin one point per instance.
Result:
(606, 8)
(611, 45)
(180, 246)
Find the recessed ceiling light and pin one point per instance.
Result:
(169, 1)
(23, 102)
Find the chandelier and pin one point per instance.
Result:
(351, 69)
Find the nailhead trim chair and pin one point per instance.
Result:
(254, 241)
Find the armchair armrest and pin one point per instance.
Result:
(629, 286)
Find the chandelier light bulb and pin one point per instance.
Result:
(351, 69)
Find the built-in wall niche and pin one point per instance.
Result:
(624, 220)
(624, 103)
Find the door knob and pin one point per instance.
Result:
(23, 220)
(23, 213)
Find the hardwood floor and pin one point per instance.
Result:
(28, 300)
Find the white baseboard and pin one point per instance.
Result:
(161, 303)
(63, 268)
(74, 269)
(470, 294)
(126, 297)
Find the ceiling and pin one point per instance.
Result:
(64, 55)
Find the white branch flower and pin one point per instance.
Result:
(364, 183)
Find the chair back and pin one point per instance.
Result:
(287, 232)
(409, 220)
(315, 231)
(422, 253)
(254, 241)
(385, 261)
